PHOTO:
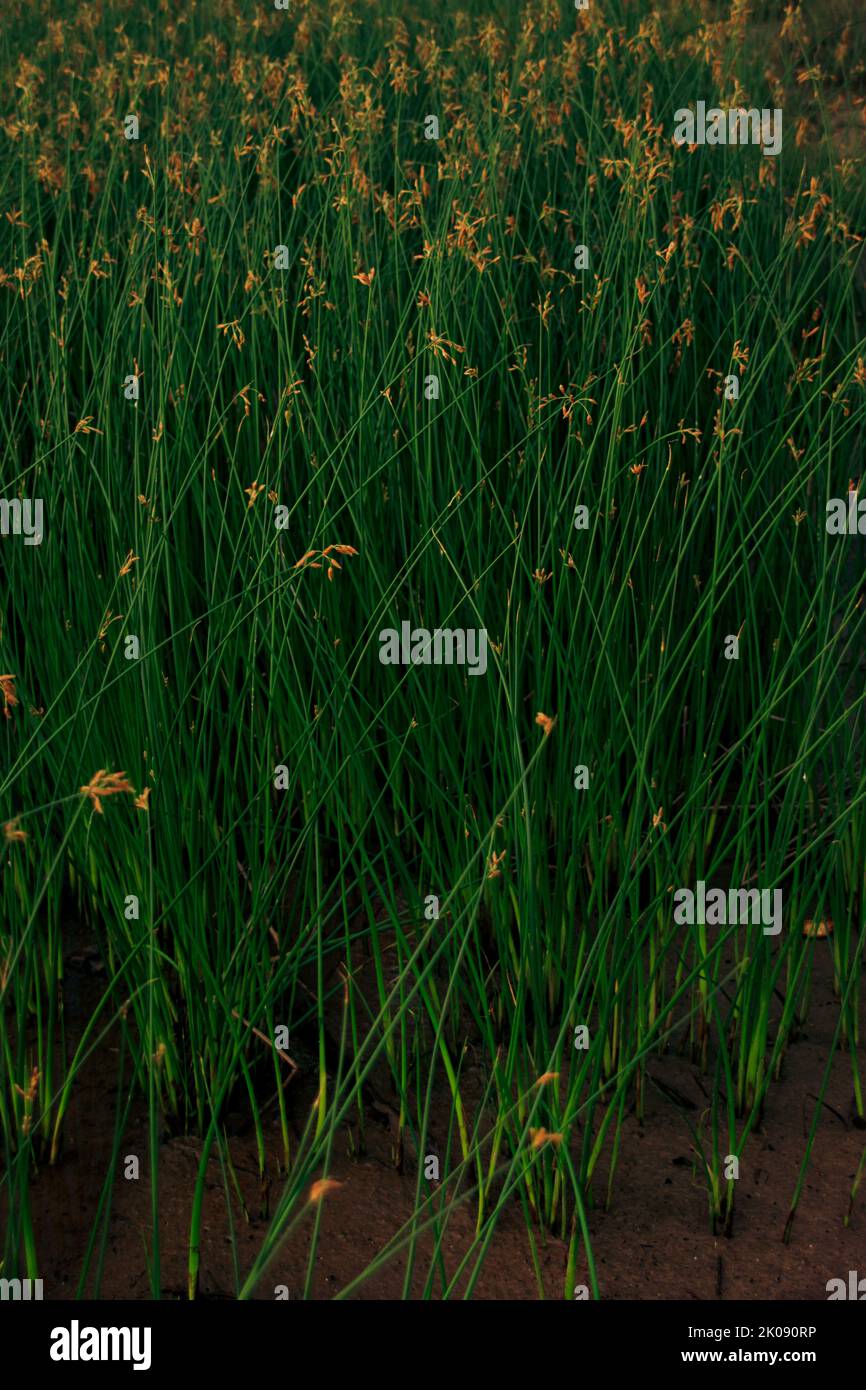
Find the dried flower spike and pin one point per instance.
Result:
(321, 1189)
(104, 783)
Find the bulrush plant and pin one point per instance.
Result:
(537, 382)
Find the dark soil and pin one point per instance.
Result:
(655, 1241)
